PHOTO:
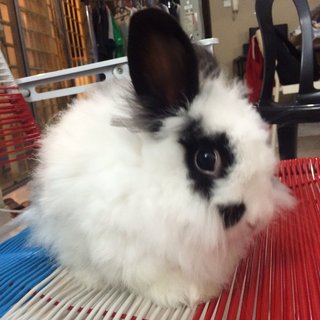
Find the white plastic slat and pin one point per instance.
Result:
(6, 77)
(98, 308)
(59, 296)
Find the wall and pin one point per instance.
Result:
(233, 33)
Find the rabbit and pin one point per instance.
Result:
(160, 182)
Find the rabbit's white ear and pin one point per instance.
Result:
(162, 61)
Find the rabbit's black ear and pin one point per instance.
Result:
(162, 61)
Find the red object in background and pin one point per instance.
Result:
(254, 70)
(19, 132)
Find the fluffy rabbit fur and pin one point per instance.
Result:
(156, 184)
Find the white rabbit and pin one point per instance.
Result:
(156, 185)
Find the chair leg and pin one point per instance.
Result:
(287, 138)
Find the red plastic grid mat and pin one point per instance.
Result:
(18, 130)
(280, 279)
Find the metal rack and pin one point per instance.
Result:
(115, 68)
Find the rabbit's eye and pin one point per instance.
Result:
(208, 162)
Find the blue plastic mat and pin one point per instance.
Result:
(21, 268)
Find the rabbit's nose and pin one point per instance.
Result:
(231, 214)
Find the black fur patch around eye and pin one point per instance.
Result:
(193, 138)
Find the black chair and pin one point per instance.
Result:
(306, 107)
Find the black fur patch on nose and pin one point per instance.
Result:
(231, 214)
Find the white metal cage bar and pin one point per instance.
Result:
(115, 68)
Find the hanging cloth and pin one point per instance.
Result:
(101, 25)
(254, 70)
(122, 19)
(118, 39)
(93, 42)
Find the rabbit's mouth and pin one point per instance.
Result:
(231, 214)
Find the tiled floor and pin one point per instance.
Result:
(20, 195)
(309, 146)
(309, 140)
(4, 218)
